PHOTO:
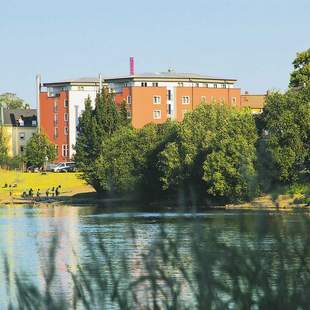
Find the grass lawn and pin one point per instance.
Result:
(70, 183)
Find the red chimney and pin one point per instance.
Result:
(132, 66)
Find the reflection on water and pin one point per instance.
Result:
(26, 235)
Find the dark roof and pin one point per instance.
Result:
(13, 116)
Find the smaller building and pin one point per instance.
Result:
(255, 102)
(19, 126)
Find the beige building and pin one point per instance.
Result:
(255, 102)
(19, 125)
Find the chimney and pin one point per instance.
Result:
(132, 65)
(100, 83)
(38, 90)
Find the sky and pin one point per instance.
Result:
(252, 41)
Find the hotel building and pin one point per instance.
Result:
(150, 98)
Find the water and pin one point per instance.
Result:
(26, 236)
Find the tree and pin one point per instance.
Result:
(213, 154)
(300, 77)
(96, 127)
(286, 134)
(11, 101)
(38, 150)
(3, 147)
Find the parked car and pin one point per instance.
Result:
(65, 167)
(33, 169)
(51, 166)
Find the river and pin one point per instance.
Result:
(27, 234)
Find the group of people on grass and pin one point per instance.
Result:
(53, 192)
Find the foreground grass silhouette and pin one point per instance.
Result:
(267, 270)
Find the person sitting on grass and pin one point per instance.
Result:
(47, 192)
(57, 191)
(30, 193)
(38, 193)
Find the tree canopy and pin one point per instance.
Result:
(39, 150)
(12, 101)
(300, 77)
(3, 147)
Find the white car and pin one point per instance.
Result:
(65, 167)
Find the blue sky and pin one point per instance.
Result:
(253, 41)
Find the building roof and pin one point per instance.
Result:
(171, 76)
(19, 117)
(159, 76)
(79, 81)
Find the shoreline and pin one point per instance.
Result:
(263, 203)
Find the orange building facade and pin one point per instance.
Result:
(150, 98)
(154, 98)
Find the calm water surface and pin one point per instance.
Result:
(26, 235)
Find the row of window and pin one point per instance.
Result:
(181, 84)
(64, 150)
(66, 104)
(184, 99)
(66, 118)
(66, 132)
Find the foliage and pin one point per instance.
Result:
(300, 77)
(95, 128)
(3, 147)
(214, 151)
(284, 144)
(39, 150)
(11, 101)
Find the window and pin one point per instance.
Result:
(22, 136)
(206, 85)
(66, 117)
(155, 84)
(129, 114)
(56, 132)
(55, 106)
(34, 123)
(197, 84)
(80, 87)
(185, 100)
(203, 98)
(129, 99)
(169, 94)
(144, 84)
(233, 101)
(65, 150)
(157, 114)
(66, 103)
(66, 130)
(215, 85)
(55, 119)
(156, 99)
(224, 85)
(180, 84)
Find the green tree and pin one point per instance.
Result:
(300, 77)
(3, 147)
(11, 101)
(38, 150)
(286, 134)
(96, 127)
(214, 153)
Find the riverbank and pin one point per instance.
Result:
(74, 191)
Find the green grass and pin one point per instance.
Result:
(70, 183)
